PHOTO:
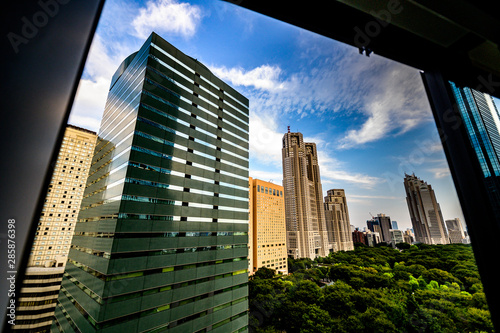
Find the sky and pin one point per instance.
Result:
(369, 116)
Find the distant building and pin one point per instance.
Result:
(374, 225)
(359, 237)
(267, 228)
(372, 238)
(425, 212)
(409, 236)
(395, 225)
(307, 235)
(385, 227)
(455, 230)
(337, 221)
(397, 236)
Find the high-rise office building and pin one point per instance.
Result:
(307, 236)
(337, 221)
(482, 122)
(425, 212)
(37, 301)
(62, 203)
(384, 221)
(161, 238)
(455, 230)
(267, 238)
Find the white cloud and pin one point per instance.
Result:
(265, 77)
(331, 172)
(440, 172)
(387, 98)
(89, 103)
(394, 102)
(167, 16)
(102, 62)
(265, 141)
(275, 177)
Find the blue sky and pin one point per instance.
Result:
(369, 116)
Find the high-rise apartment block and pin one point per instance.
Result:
(62, 203)
(38, 297)
(267, 228)
(161, 240)
(455, 230)
(425, 212)
(482, 123)
(307, 235)
(337, 221)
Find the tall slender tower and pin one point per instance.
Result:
(337, 221)
(425, 212)
(307, 235)
(161, 238)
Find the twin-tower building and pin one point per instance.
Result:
(314, 228)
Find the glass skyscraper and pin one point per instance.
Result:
(161, 238)
(482, 122)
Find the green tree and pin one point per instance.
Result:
(305, 291)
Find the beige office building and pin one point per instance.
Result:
(62, 203)
(40, 289)
(337, 221)
(267, 229)
(425, 212)
(307, 235)
(455, 230)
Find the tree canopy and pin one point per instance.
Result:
(423, 288)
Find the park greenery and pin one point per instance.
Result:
(417, 288)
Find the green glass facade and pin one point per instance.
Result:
(161, 239)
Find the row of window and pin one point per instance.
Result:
(271, 191)
(135, 254)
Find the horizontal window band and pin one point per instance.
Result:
(187, 125)
(169, 234)
(183, 161)
(135, 216)
(243, 121)
(162, 307)
(151, 271)
(153, 253)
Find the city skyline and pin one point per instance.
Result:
(369, 116)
